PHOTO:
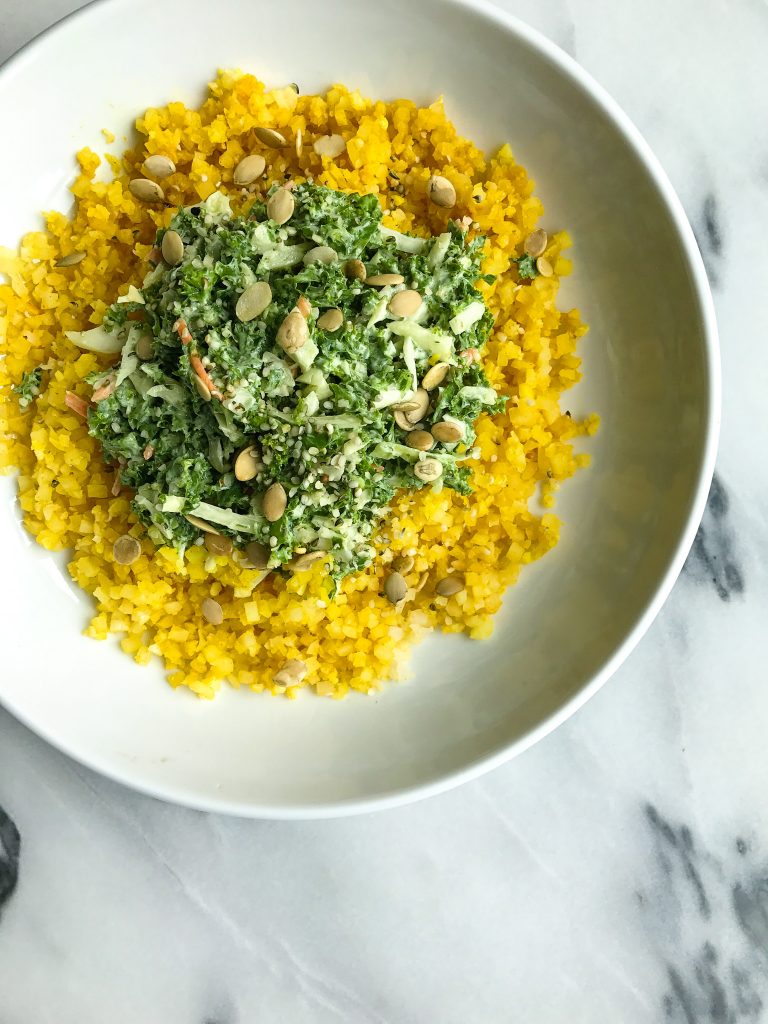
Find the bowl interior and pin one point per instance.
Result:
(647, 373)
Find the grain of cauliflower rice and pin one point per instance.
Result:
(438, 557)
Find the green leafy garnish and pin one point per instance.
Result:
(28, 387)
(526, 267)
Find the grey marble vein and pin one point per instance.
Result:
(709, 235)
(675, 847)
(714, 557)
(711, 933)
(10, 848)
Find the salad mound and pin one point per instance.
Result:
(285, 373)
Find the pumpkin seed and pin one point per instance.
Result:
(447, 432)
(408, 405)
(441, 192)
(294, 87)
(395, 588)
(536, 243)
(382, 280)
(270, 137)
(331, 320)
(303, 562)
(216, 544)
(435, 376)
(421, 440)
(449, 586)
(202, 389)
(249, 169)
(402, 421)
(258, 555)
(247, 464)
(330, 146)
(275, 500)
(291, 673)
(405, 303)
(146, 191)
(201, 524)
(212, 611)
(157, 166)
(402, 564)
(126, 549)
(172, 248)
(415, 416)
(299, 140)
(355, 270)
(421, 582)
(293, 333)
(71, 259)
(144, 348)
(416, 408)
(320, 254)
(280, 206)
(544, 267)
(428, 470)
(253, 301)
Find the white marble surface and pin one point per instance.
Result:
(618, 872)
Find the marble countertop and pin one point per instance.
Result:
(617, 872)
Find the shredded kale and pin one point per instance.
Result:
(345, 222)
(28, 387)
(321, 418)
(526, 267)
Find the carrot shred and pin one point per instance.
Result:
(183, 331)
(104, 391)
(202, 373)
(78, 405)
(195, 362)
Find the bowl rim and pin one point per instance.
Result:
(549, 50)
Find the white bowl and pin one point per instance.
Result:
(651, 371)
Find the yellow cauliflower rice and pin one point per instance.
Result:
(155, 604)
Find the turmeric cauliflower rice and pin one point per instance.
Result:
(354, 446)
